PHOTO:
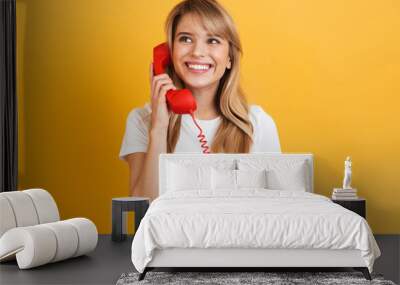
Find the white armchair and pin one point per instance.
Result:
(31, 230)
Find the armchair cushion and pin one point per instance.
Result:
(40, 244)
(31, 232)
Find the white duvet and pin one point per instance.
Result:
(250, 218)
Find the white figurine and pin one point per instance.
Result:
(347, 174)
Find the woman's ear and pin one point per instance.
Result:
(229, 64)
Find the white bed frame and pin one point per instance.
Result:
(250, 257)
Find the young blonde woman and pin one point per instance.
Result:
(205, 49)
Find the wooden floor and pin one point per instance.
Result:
(111, 259)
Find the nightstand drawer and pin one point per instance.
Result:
(357, 206)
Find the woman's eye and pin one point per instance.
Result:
(214, 41)
(185, 39)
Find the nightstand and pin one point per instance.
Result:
(139, 205)
(357, 205)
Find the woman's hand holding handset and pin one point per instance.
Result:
(146, 185)
(160, 113)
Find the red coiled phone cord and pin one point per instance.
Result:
(201, 136)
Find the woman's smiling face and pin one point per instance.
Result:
(200, 59)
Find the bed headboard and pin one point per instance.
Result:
(232, 161)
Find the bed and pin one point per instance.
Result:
(244, 211)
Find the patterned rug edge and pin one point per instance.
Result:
(268, 278)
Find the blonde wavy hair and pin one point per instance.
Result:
(230, 99)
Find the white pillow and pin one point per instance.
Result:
(223, 179)
(293, 177)
(237, 179)
(188, 177)
(282, 174)
(251, 178)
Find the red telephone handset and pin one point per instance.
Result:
(179, 101)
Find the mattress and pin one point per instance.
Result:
(250, 219)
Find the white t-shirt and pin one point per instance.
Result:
(136, 138)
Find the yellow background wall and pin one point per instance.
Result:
(327, 71)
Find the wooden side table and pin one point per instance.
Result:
(120, 206)
(357, 205)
